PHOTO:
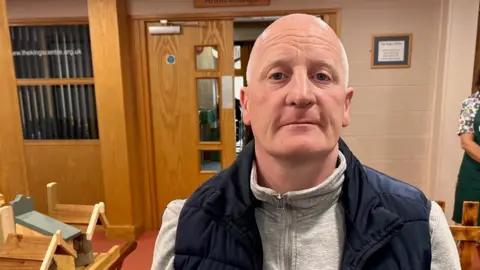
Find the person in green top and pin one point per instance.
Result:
(468, 185)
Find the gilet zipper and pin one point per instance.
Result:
(287, 218)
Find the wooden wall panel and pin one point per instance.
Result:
(74, 165)
(12, 160)
(139, 63)
(131, 121)
(117, 117)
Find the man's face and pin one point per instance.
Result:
(297, 101)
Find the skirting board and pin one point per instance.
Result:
(124, 232)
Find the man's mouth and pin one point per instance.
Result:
(302, 123)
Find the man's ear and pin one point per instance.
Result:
(244, 102)
(346, 111)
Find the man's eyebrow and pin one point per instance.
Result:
(274, 63)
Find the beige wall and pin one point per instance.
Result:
(404, 120)
(452, 86)
(392, 108)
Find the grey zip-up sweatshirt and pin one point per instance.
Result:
(305, 230)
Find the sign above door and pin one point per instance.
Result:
(229, 3)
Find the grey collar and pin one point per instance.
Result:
(316, 199)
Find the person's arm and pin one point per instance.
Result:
(466, 128)
(470, 146)
(163, 253)
(444, 250)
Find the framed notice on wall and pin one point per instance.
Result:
(229, 3)
(391, 51)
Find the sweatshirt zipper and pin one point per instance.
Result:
(282, 205)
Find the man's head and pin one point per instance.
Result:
(297, 99)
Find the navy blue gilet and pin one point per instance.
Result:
(386, 221)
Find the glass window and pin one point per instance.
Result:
(56, 112)
(206, 58)
(51, 51)
(53, 110)
(239, 126)
(208, 109)
(210, 160)
(237, 61)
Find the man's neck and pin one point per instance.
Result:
(287, 175)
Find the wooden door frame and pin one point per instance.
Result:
(139, 62)
(228, 15)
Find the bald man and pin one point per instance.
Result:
(296, 197)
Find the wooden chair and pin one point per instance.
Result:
(468, 233)
(86, 218)
(83, 217)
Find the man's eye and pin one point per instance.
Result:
(322, 77)
(277, 76)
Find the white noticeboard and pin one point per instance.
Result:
(391, 51)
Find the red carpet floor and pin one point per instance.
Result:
(141, 258)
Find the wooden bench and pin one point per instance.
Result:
(468, 233)
(110, 260)
(27, 251)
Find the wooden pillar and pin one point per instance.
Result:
(13, 178)
(116, 116)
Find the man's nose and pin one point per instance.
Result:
(300, 92)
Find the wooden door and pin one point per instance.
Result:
(192, 106)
